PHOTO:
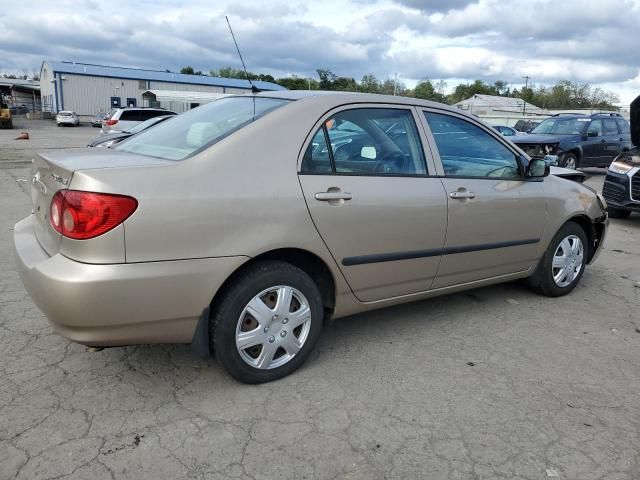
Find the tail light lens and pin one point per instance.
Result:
(110, 122)
(83, 215)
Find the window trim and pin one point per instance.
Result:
(427, 153)
(518, 155)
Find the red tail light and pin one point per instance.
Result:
(110, 122)
(83, 215)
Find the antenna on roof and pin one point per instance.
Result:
(254, 89)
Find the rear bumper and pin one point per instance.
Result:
(119, 304)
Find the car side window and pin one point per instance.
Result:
(317, 157)
(130, 115)
(595, 127)
(623, 125)
(367, 141)
(466, 150)
(610, 126)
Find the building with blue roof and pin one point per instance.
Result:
(89, 88)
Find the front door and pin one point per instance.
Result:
(364, 178)
(496, 218)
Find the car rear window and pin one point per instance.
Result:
(109, 115)
(199, 128)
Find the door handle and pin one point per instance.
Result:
(332, 196)
(462, 194)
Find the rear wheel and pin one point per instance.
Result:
(563, 263)
(570, 161)
(617, 213)
(267, 322)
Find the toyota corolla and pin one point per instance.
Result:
(244, 225)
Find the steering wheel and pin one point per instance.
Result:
(390, 162)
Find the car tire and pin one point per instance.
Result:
(560, 258)
(248, 312)
(617, 213)
(570, 161)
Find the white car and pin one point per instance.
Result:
(123, 119)
(67, 118)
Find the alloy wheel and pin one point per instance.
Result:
(567, 261)
(273, 327)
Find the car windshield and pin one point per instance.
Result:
(200, 128)
(561, 126)
(146, 124)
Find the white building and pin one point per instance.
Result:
(492, 105)
(87, 88)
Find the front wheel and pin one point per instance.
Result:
(267, 322)
(563, 263)
(570, 161)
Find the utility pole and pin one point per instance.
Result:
(395, 85)
(526, 86)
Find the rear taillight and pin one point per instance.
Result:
(110, 122)
(83, 215)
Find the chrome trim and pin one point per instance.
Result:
(630, 174)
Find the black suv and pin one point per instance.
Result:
(575, 140)
(621, 187)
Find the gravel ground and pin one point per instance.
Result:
(496, 383)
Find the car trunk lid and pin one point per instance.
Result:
(53, 171)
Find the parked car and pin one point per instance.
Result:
(113, 138)
(248, 227)
(96, 121)
(121, 119)
(506, 131)
(622, 184)
(67, 118)
(576, 141)
(525, 126)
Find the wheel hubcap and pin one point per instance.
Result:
(570, 163)
(567, 261)
(273, 327)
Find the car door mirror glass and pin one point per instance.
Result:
(368, 152)
(538, 168)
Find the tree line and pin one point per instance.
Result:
(565, 94)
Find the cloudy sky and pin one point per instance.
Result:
(595, 41)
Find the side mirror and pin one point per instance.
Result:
(538, 169)
(592, 133)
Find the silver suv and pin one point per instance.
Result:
(122, 119)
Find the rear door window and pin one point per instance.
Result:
(367, 141)
(610, 126)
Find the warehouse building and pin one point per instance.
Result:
(88, 88)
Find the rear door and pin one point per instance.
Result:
(593, 146)
(365, 178)
(496, 217)
(613, 141)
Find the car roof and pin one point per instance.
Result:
(333, 98)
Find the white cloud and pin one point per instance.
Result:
(580, 40)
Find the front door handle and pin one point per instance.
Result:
(462, 194)
(333, 196)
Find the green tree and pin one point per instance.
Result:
(427, 91)
(369, 84)
(187, 70)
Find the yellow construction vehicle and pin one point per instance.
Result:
(5, 113)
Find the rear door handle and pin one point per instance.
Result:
(462, 194)
(331, 196)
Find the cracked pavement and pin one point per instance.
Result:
(495, 383)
